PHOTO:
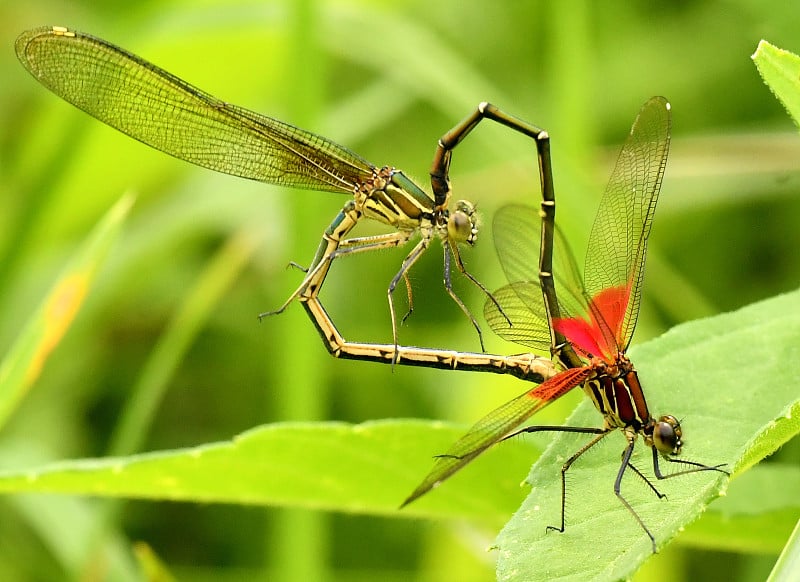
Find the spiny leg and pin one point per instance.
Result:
(695, 467)
(644, 478)
(626, 462)
(448, 285)
(600, 432)
(408, 262)
(463, 270)
(316, 274)
(410, 295)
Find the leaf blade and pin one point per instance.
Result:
(46, 328)
(780, 70)
(728, 384)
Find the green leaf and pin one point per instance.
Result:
(44, 331)
(745, 520)
(787, 567)
(366, 468)
(780, 70)
(730, 379)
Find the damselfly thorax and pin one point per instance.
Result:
(617, 394)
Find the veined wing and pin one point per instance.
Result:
(167, 113)
(523, 306)
(517, 233)
(618, 241)
(517, 237)
(497, 424)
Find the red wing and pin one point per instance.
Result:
(591, 337)
(497, 424)
(618, 241)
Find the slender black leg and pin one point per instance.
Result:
(600, 432)
(626, 462)
(694, 467)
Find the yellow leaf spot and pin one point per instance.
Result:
(59, 311)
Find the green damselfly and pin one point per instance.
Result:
(157, 108)
(526, 366)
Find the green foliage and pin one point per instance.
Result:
(746, 520)
(166, 355)
(788, 566)
(367, 468)
(28, 355)
(153, 569)
(781, 72)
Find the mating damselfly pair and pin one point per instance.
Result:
(585, 323)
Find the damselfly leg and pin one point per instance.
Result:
(452, 228)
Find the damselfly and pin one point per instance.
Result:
(589, 324)
(524, 366)
(168, 114)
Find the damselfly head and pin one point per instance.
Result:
(463, 224)
(667, 435)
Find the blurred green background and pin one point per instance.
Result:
(385, 79)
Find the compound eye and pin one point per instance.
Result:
(461, 227)
(667, 435)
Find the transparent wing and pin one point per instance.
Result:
(517, 233)
(522, 304)
(497, 424)
(618, 241)
(164, 112)
(517, 237)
